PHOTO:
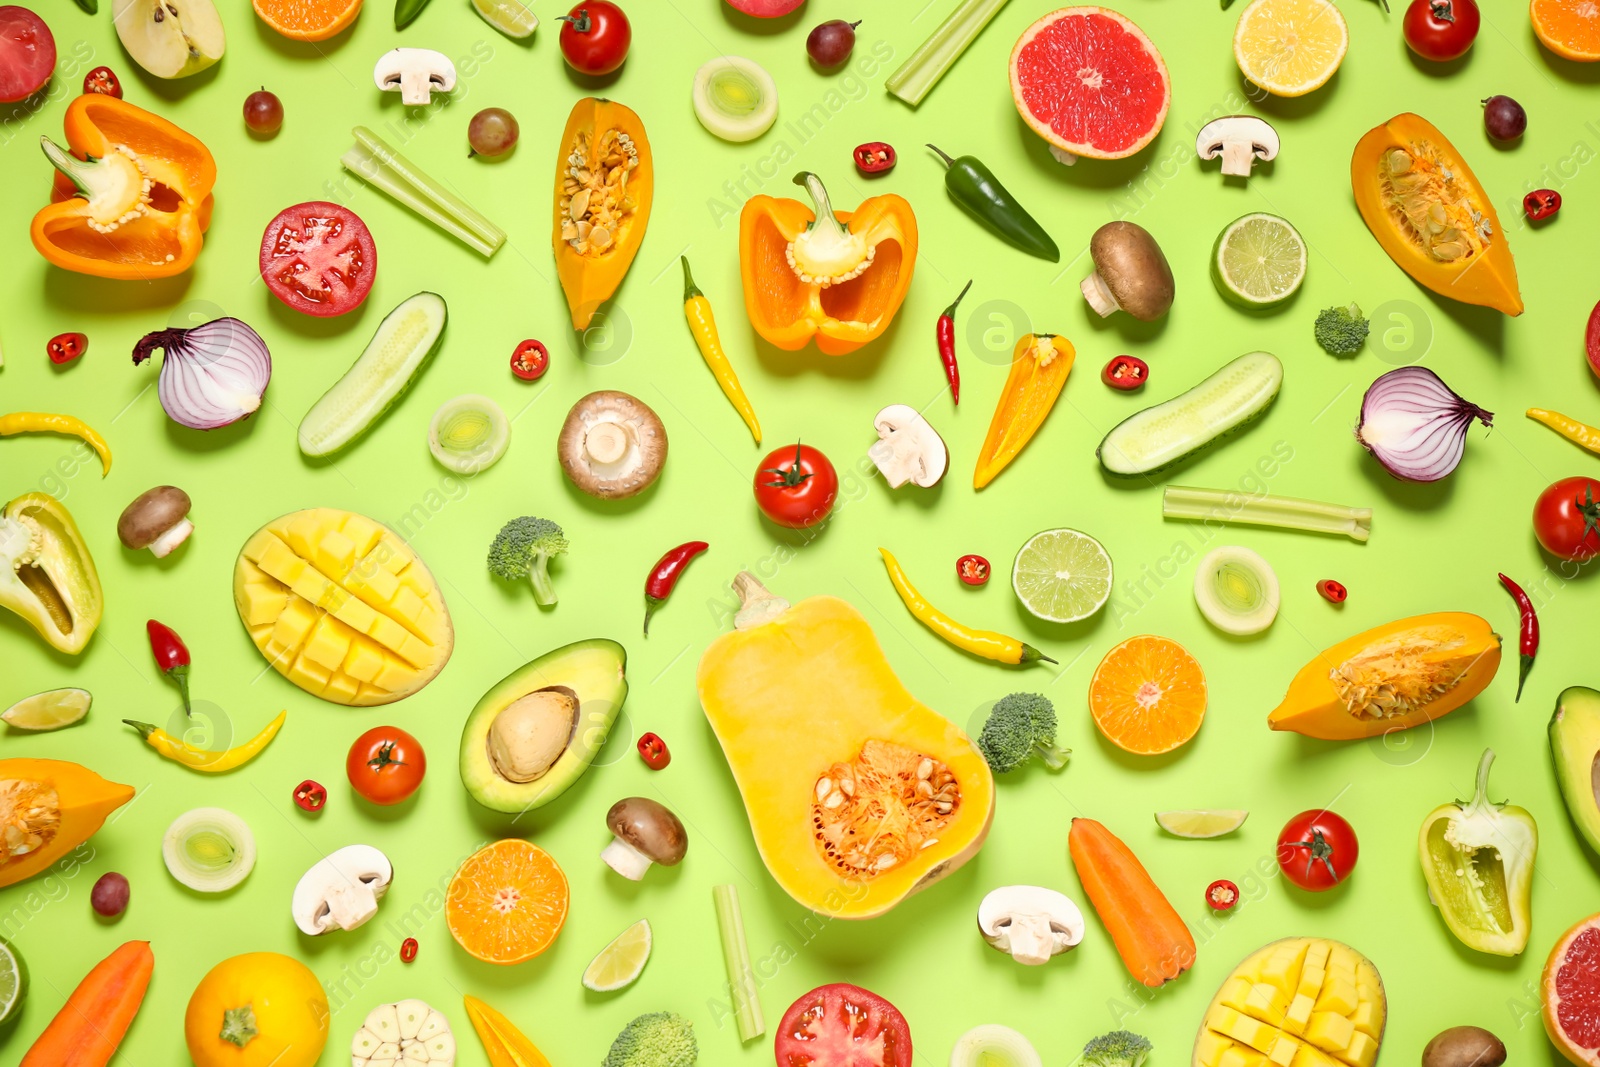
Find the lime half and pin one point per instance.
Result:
(50, 710)
(1259, 260)
(620, 962)
(511, 17)
(1062, 575)
(13, 982)
(1201, 822)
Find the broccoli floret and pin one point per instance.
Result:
(1342, 331)
(659, 1039)
(1020, 726)
(1119, 1048)
(522, 549)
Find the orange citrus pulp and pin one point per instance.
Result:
(1569, 28)
(1148, 695)
(507, 902)
(307, 20)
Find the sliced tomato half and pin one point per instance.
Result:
(843, 1025)
(319, 258)
(27, 53)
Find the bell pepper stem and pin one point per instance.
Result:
(74, 168)
(819, 196)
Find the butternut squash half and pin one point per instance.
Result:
(605, 179)
(858, 795)
(1392, 677)
(49, 807)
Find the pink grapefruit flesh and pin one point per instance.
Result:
(1572, 993)
(1090, 82)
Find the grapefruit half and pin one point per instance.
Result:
(1090, 83)
(1572, 993)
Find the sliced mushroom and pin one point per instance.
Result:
(342, 890)
(612, 445)
(1130, 273)
(416, 73)
(908, 448)
(158, 519)
(1240, 140)
(646, 833)
(1030, 922)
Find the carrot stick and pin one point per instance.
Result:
(1152, 940)
(91, 1024)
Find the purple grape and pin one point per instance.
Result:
(109, 897)
(1503, 118)
(831, 43)
(263, 112)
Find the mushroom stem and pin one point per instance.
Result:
(1237, 158)
(625, 859)
(170, 540)
(1031, 939)
(1099, 295)
(1063, 156)
(606, 442)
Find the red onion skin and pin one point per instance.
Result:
(227, 351)
(1419, 391)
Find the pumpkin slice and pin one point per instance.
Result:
(48, 808)
(604, 182)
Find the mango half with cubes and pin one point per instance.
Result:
(342, 607)
(1299, 1002)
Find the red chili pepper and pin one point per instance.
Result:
(310, 796)
(1332, 591)
(972, 570)
(946, 334)
(1222, 894)
(665, 574)
(654, 752)
(1528, 647)
(1541, 204)
(66, 347)
(408, 950)
(1126, 373)
(874, 157)
(102, 80)
(172, 656)
(530, 360)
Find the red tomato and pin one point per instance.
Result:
(27, 54)
(1566, 518)
(843, 1025)
(595, 36)
(319, 258)
(385, 765)
(1441, 30)
(1317, 850)
(796, 489)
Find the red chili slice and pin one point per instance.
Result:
(654, 752)
(66, 347)
(104, 81)
(1126, 373)
(874, 157)
(530, 360)
(310, 796)
(1332, 591)
(972, 570)
(408, 950)
(319, 258)
(1222, 894)
(1541, 204)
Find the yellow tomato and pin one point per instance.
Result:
(261, 1009)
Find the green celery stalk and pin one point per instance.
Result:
(1231, 505)
(736, 957)
(376, 162)
(917, 75)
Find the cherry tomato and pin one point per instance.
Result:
(385, 765)
(1441, 30)
(318, 258)
(654, 752)
(27, 53)
(1541, 204)
(1317, 850)
(1332, 591)
(530, 360)
(796, 489)
(102, 80)
(1566, 518)
(595, 36)
(66, 347)
(843, 1025)
(309, 795)
(972, 570)
(408, 950)
(1222, 894)
(1126, 373)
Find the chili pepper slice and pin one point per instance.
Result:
(1222, 894)
(1332, 591)
(665, 574)
(66, 347)
(653, 751)
(945, 334)
(172, 656)
(310, 795)
(1541, 204)
(1528, 646)
(1126, 373)
(530, 360)
(408, 950)
(972, 570)
(103, 81)
(874, 157)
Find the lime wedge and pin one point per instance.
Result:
(13, 982)
(1062, 575)
(1200, 822)
(510, 17)
(1259, 260)
(620, 962)
(50, 710)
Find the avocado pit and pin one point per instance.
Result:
(529, 736)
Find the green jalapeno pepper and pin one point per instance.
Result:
(974, 187)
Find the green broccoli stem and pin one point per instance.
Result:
(1055, 757)
(544, 592)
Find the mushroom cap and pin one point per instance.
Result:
(1237, 128)
(649, 827)
(1030, 921)
(905, 437)
(612, 445)
(1133, 268)
(341, 889)
(152, 513)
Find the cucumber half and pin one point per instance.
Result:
(1160, 436)
(406, 338)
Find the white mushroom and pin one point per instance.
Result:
(1240, 140)
(342, 890)
(908, 448)
(1030, 922)
(612, 445)
(417, 73)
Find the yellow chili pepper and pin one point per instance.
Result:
(41, 422)
(1577, 432)
(985, 643)
(697, 309)
(202, 759)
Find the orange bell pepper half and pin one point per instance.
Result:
(836, 276)
(132, 200)
(1039, 367)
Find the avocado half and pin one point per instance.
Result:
(594, 672)
(1575, 744)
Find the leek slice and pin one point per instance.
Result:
(735, 98)
(210, 850)
(993, 1045)
(1237, 590)
(469, 433)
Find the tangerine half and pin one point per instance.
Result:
(1569, 28)
(307, 20)
(507, 902)
(1148, 695)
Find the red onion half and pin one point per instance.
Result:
(1416, 425)
(211, 375)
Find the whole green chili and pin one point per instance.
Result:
(974, 187)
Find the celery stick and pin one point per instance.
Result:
(928, 63)
(380, 165)
(1231, 505)
(736, 957)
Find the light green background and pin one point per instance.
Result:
(1433, 547)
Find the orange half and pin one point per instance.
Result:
(1569, 28)
(307, 20)
(1148, 695)
(508, 902)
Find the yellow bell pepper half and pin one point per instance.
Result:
(46, 573)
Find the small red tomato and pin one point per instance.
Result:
(972, 570)
(385, 765)
(1222, 894)
(310, 795)
(408, 950)
(1317, 850)
(1126, 373)
(1441, 30)
(796, 489)
(104, 81)
(530, 360)
(66, 347)
(1332, 591)
(1566, 518)
(595, 37)
(874, 157)
(1541, 204)
(654, 752)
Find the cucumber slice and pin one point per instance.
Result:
(406, 338)
(1237, 590)
(1160, 436)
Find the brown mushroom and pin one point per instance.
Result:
(646, 833)
(157, 519)
(1464, 1046)
(612, 445)
(1130, 273)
